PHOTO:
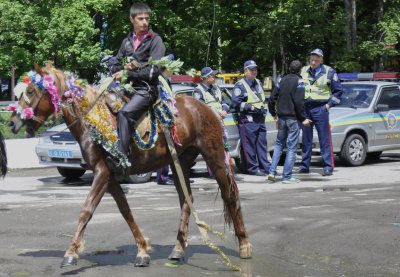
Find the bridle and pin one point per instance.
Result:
(33, 105)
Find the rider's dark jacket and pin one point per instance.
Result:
(151, 46)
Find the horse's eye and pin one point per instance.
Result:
(30, 91)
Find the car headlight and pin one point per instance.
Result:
(45, 139)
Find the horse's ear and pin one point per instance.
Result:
(38, 69)
(49, 64)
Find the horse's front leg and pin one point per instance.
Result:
(97, 190)
(143, 257)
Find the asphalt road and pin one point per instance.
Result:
(344, 225)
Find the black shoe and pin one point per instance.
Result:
(119, 172)
(327, 172)
(302, 171)
(259, 173)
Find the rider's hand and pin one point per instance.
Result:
(223, 114)
(117, 76)
(130, 66)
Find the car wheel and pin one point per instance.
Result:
(71, 173)
(140, 178)
(240, 162)
(374, 155)
(354, 150)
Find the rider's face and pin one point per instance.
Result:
(140, 22)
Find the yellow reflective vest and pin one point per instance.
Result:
(320, 89)
(210, 100)
(252, 98)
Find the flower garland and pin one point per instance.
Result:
(46, 82)
(103, 133)
(153, 136)
(26, 113)
(164, 114)
(74, 89)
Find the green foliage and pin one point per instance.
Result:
(75, 34)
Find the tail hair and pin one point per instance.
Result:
(3, 157)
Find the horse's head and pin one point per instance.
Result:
(38, 101)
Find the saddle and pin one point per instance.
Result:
(114, 101)
(102, 122)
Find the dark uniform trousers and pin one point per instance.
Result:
(320, 118)
(254, 141)
(130, 114)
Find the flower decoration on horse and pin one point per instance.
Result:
(45, 83)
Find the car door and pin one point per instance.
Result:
(386, 125)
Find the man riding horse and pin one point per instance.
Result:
(141, 44)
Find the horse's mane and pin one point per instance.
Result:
(60, 78)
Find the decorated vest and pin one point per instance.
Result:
(319, 90)
(165, 86)
(210, 100)
(252, 98)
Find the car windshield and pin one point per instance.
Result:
(357, 96)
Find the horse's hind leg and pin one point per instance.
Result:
(230, 195)
(186, 160)
(96, 193)
(142, 258)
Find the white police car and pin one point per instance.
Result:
(366, 122)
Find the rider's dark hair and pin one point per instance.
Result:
(138, 8)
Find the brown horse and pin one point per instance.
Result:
(198, 130)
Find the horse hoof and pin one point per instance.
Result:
(67, 261)
(246, 251)
(177, 256)
(142, 261)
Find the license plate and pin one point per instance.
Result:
(60, 153)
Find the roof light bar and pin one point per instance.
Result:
(369, 76)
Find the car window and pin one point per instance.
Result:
(181, 93)
(390, 96)
(359, 96)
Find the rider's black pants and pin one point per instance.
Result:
(129, 115)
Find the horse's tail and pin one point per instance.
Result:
(233, 191)
(3, 156)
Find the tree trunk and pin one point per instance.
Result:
(350, 6)
(380, 65)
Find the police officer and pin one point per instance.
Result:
(208, 92)
(249, 101)
(323, 91)
(141, 44)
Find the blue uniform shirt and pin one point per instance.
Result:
(239, 98)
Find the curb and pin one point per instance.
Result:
(21, 153)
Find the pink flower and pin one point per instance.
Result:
(28, 113)
(12, 107)
(48, 80)
(67, 94)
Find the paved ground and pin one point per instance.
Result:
(343, 225)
